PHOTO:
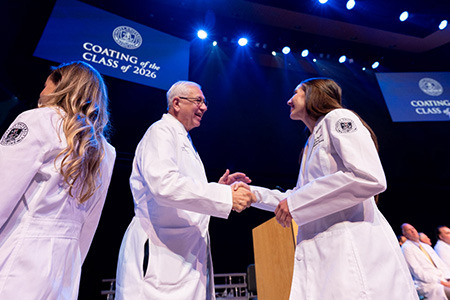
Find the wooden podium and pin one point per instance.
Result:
(274, 248)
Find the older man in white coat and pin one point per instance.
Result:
(165, 253)
(442, 246)
(429, 272)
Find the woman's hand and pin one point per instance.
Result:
(282, 214)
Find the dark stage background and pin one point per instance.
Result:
(247, 128)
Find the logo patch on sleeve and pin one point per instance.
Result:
(15, 134)
(345, 125)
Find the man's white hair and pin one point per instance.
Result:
(179, 88)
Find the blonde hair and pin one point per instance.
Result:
(81, 94)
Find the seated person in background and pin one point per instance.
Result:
(442, 246)
(401, 239)
(429, 272)
(424, 239)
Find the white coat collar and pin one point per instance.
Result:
(317, 125)
(181, 130)
(171, 119)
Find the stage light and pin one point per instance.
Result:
(305, 53)
(375, 65)
(214, 43)
(323, 1)
(286, 50)
(274, 53)
(202, 34)
(363, 68)
(350, 4)
(404, 15)
(342, 59)
(443, 24)
(314, 60)
(242, 41)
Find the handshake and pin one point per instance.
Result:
(242, 195)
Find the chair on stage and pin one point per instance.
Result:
(109, 293)
(251, 282)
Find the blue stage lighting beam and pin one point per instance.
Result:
(202, 34)
(242, 41)
(403, 16)
(350, 4)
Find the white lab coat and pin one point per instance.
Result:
(426, 276)
(345, 247)
(173, 204)
(44, 233)
(443, 250)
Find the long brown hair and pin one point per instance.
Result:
(323, 95)
(81, 94)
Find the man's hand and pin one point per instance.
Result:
(282, 214)
(228, 178)
(242, 196)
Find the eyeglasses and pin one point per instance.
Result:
(197, 101)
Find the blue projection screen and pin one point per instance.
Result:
(113, 45)
(415, 97)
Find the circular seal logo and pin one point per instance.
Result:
(431, 87)
(127, 37)
(15, 134)
(345, 125)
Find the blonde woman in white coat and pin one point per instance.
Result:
(345, 247)
(55, 169)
